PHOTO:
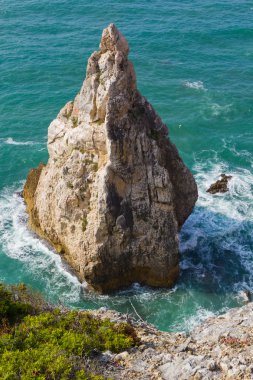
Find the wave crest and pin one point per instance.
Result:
(197, 85)
(18, 243)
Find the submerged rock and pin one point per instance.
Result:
(220, 186)
(115, 191)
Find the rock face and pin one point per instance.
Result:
(114, 192)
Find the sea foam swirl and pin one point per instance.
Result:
(19, 243)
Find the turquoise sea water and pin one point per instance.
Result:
(193, 61)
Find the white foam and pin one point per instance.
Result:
(238, 202)
(11, 141)
(209, 109)
(21, 244)
(197, 85)
(189, 322)
(216, 238)
(242, 296)
(230, 145)
(217, 109)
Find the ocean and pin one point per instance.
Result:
(193, 61)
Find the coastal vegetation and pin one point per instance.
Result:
(38, 341)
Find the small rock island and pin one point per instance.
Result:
(221, 185)
(115, 191)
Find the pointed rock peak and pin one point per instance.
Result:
(113, 40)
(110, 85)
(114, 192)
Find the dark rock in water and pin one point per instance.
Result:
(220, 186)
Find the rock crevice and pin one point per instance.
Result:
(115, 191)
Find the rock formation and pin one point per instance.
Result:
(221, 185)
(114, 192)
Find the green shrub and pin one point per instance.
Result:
(11, 311)
(54, 345)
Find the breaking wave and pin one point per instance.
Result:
(18, 243)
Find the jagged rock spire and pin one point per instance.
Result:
(113, 40)
(114, 192)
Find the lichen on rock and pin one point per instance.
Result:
(115, 191)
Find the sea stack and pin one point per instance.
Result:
(115, 191)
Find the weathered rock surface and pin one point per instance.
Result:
(114, 192)
(221, 185)
(220, 348)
